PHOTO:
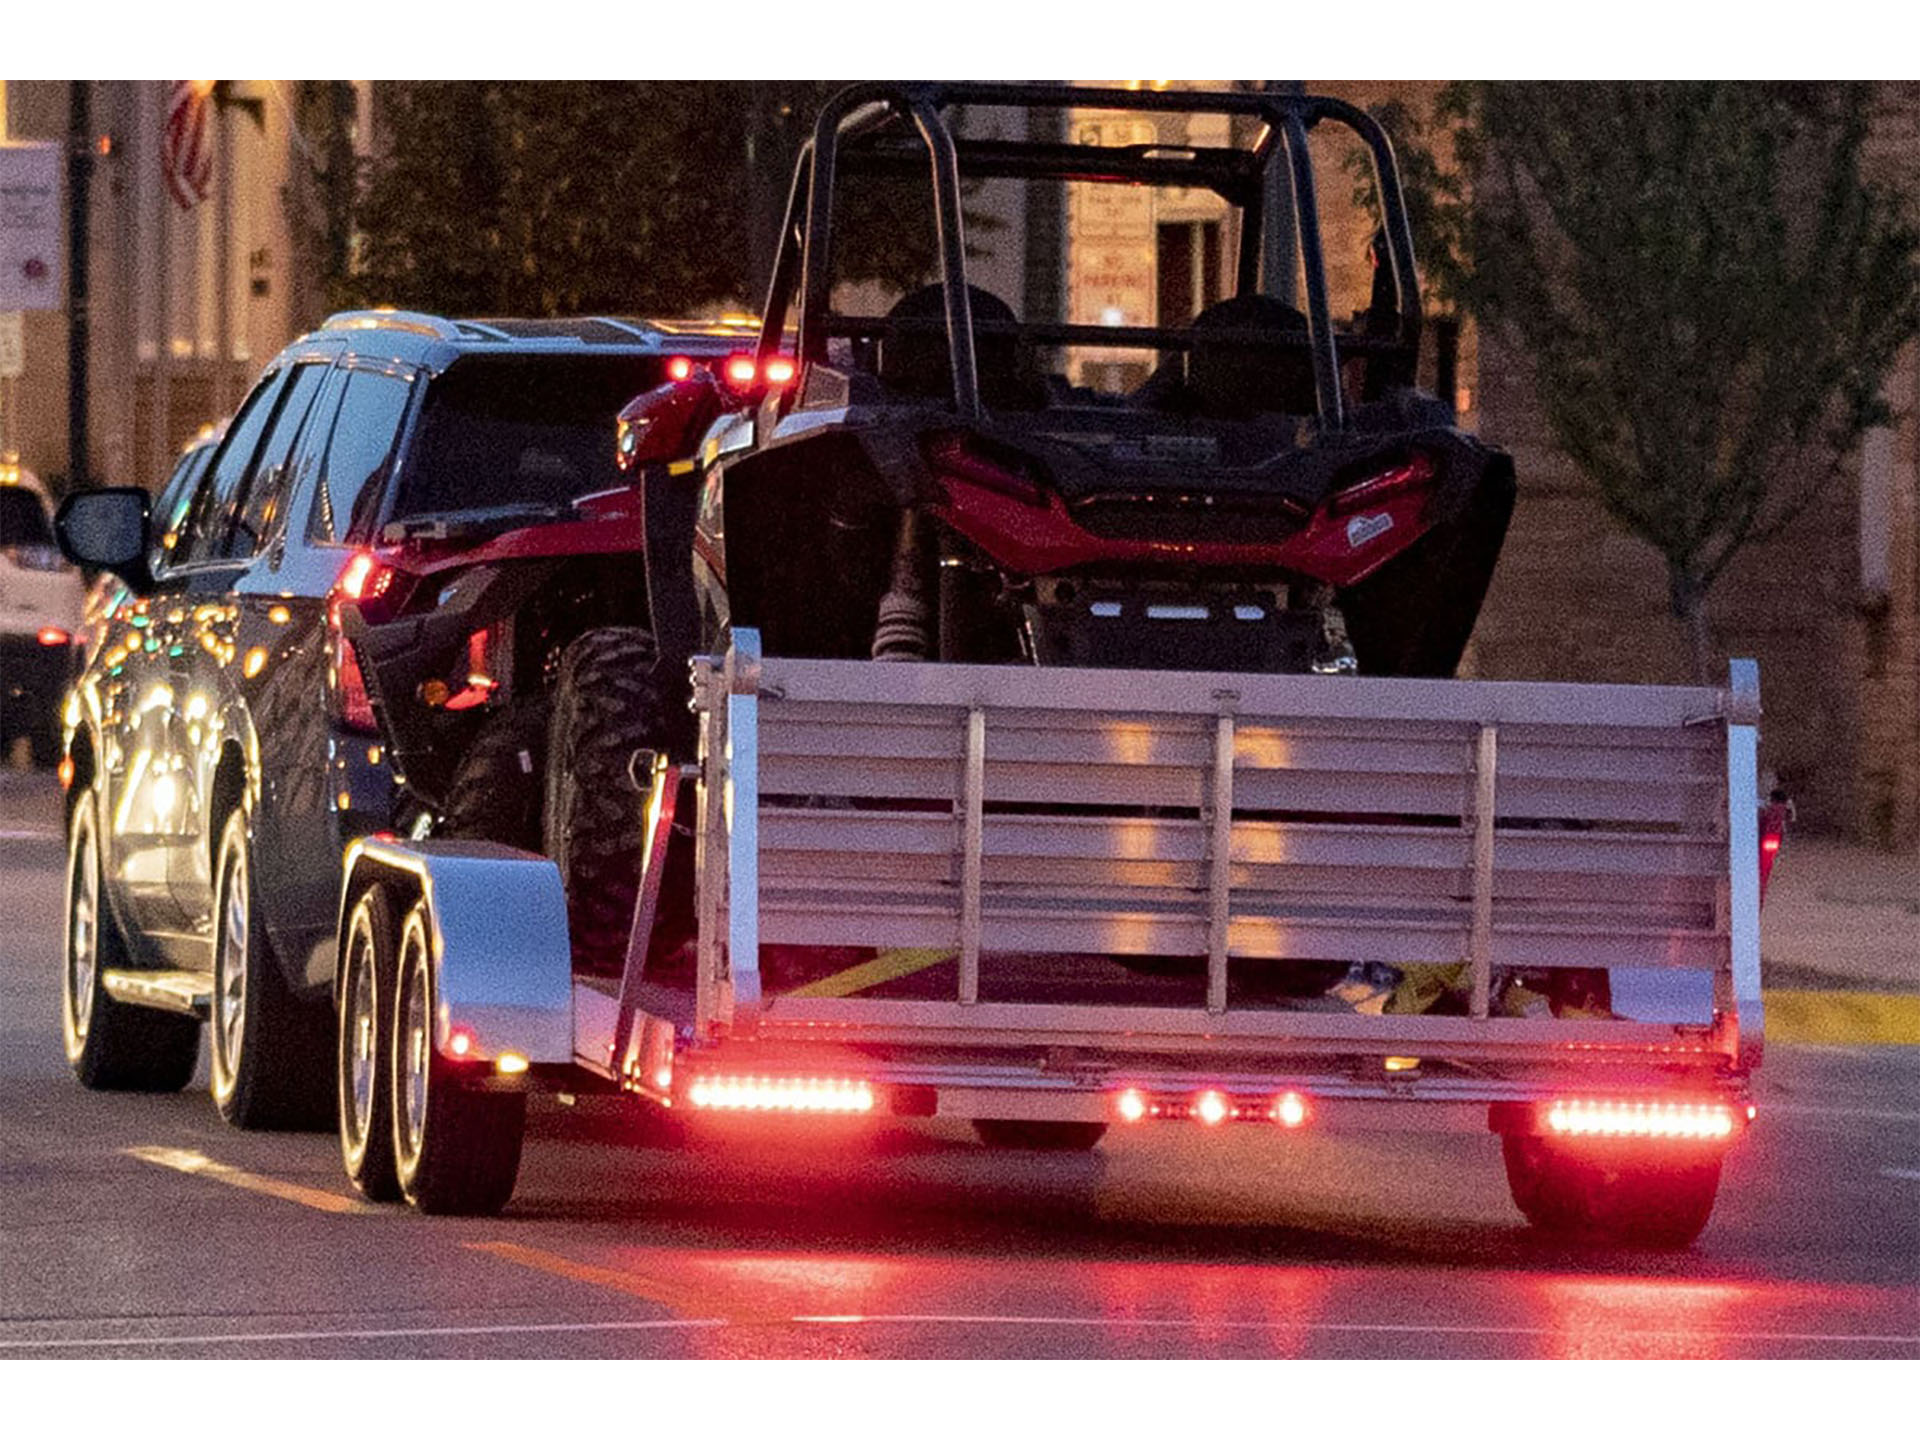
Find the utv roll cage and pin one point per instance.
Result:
(887, 128)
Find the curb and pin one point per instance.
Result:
(1841, 1017)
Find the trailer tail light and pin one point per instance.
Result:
(1289, 1110)
(460, 1042)
(1773, 828)
(794, 1094)
(52, 635)
(1650, 1119)
(1415, 473)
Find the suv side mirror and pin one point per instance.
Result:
(106, 529)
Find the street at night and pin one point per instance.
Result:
(142, 1226)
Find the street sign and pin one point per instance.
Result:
(30, 239)
(13, 350)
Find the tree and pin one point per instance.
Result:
(569, 198)
(1710, 290)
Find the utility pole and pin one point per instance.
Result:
(79, 225)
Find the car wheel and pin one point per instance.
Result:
(456, 1148)
(365, 1099)
(271, 1051)
(109, 1044)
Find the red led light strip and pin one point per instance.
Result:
(1656, 1119)
(809, 1094)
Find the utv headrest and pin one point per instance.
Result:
(917, 361)
(1233, 380)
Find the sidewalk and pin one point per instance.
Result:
(1840, 945)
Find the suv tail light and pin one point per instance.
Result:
(363, 580)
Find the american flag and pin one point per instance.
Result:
(186, 146)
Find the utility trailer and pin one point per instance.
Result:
(1060, 897)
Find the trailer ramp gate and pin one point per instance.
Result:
(1028, 837)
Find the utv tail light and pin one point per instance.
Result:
(742, 371)
(1414, 473)
(679, 368)
(795, 1094)
(51, 635)
(1653, 1119)
(779, 370)
(962, 456)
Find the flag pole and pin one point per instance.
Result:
(160, 440)
(223, 252)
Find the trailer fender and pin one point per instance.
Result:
(498, 920)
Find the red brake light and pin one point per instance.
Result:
(964, 457)
(1411, 474)
(779, 370)
(362, 579)
(1653, 1119)
(51, 635)
(1770, 844)
(805, 1094)
(679, 368)
(741, 370)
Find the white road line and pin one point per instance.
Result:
(1072, 1321)
(410, 1332)
(192, 1162)
(29, 835)
(1895, 1174)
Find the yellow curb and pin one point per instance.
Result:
(1841, 1017)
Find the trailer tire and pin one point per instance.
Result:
(365, 1097)
(1611, 1193)
(271, 1051)
(109, 1044)
(1058, 1135)
(456, 1147)
(496, 791)
(609, 703)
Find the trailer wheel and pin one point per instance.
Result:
(110, 1045)
(270, 1050)
(1060, 1135)
(1611, 1192)
(365, 1077)
(456, 1148)
(609, 703)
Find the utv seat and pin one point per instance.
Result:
(1236, 380)
(917, 362)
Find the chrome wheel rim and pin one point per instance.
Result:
(83, 932)
(230, 980)
(416, 1042)
(361, 1037)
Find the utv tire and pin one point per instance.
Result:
(456, 1147)
(496, 791)
(1611, 1193)
(1059, 1135)
(272, 1052)
(109, 1044)
(609, 704)
(365, 1098)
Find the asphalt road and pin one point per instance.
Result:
(140, 1226)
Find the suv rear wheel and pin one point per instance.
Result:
(272, 1052)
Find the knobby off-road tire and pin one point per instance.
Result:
(1612, 1192)
(1039, 1134)
(272, 1052)
(456, 1148)
(497, 790)
(609, 704)
(364, 1069)
(110, 1045)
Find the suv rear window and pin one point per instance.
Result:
(520, 429)
(23, 519)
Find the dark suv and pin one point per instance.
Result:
(222, 744)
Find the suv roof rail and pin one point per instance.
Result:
(410, 320)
